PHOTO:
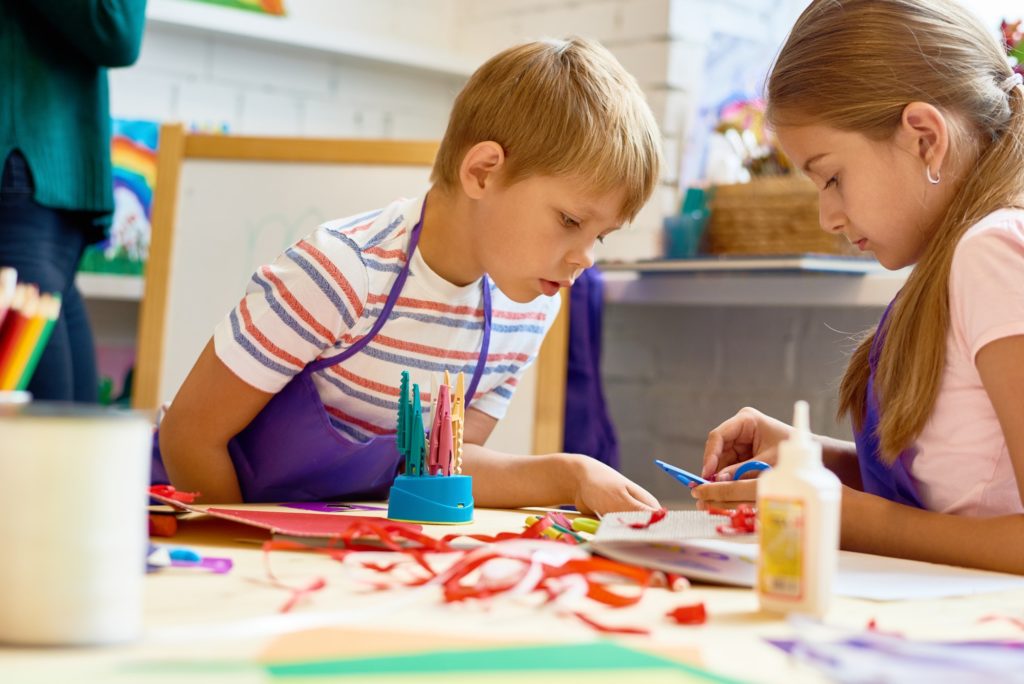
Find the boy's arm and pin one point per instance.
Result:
(503, 480)
(212, 406)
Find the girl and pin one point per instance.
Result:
(910, 120)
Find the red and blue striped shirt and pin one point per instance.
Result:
(327, 290)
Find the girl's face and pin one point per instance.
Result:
(876, 194)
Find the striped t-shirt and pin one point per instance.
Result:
(327, 290)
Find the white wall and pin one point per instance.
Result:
(262, 88)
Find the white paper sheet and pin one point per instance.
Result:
(680, 543)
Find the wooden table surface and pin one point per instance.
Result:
(207, 627)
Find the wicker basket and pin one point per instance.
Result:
(770, 215)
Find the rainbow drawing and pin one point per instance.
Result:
(133, 152)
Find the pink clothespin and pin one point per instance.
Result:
(440, 458)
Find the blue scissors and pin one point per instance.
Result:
(691, 480)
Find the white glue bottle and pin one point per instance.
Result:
(798, 526)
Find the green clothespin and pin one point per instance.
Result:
(402, 435)
(417, 439)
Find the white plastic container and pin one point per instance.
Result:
(798, 526)
(73, 495)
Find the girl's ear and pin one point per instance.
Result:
(480, 166)
(923, 132)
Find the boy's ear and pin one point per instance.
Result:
(925, 133)
(480, 166)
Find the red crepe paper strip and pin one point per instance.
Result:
(380, 568)
(1016, 622)
(534, 531)
(297, 593)
(669, 580)
(742, 520)
(526, 562)
(169, 492)
(689, 615)
(655, 517)
(611, 630)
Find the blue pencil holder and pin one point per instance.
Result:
(432, 499)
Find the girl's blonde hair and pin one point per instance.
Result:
(558, 108)
(854, 65)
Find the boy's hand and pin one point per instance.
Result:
(601, 489)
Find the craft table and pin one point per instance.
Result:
(220, 628)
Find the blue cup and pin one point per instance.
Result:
(682, 234)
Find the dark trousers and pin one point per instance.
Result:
(45, 246)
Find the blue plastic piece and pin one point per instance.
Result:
(684, 476)
(433, 499)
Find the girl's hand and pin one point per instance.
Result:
(725, 494)
(601, 489)
(749, 434)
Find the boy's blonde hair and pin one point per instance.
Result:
(557, 108)
(854, 65)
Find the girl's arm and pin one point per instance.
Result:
(840, 457)
(503, 480)
(875, 525)
(872, 524)
(212, 406)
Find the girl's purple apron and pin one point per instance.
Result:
(291, 452)
(891, 482)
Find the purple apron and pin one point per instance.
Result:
(291, 452)
(588, 425)
(891, 482)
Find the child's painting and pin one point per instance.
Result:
(133, 151)
(275, 7)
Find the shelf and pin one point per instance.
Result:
(105, 286)
(287, 31)
(803, 280)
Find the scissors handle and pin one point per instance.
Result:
(749, 466)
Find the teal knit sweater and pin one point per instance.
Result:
(53, 92)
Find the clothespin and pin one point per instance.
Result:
(417, 441)
(458, 419)
(402, 435)
(440, 459)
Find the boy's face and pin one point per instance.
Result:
(538, 234)
(874, 193)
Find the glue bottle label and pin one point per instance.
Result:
(782, 548)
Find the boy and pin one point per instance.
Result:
(550, 147)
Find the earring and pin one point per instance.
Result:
(928, 173)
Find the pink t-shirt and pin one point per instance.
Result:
(963, 465)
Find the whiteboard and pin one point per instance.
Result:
(233, 215)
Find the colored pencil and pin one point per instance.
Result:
(48, 314)
(8, 284)
(26, 301)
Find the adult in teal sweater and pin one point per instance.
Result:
(56, 192)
